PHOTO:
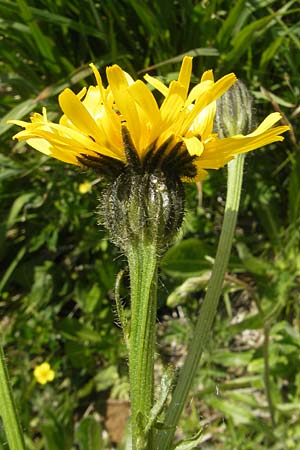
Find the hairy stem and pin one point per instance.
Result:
(142, 259)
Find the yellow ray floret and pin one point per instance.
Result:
(92, 121)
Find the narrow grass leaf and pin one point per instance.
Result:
(18, 112)
(41, 41)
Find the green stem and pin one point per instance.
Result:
(142, 260)
(209, 306)
(267, 375)
(8, 411)
(267, 318)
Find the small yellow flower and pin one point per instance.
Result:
(176, 136)
(85, 187)
(43, 373)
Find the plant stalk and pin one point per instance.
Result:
(8, 412)
(209, 306)
(267, 375)
(142, 260)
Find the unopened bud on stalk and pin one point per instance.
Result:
(234, 113)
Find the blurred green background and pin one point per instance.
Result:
(58, 268)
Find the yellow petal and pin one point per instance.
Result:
(77, 113)
(97, 74)
(185, 73)
(124, 102)
(204, 121)
(45, 147)
(198, 90)
(206, 94)
(207, 75)
(267, 123)
(148, 112)
(173, 103)
(194, 146)
(157, 84)
(242, 144)
(223, 85)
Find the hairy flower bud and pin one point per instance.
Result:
(234, 113)
(145, 206)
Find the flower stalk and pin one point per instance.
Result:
(142, 260)
(209, 306)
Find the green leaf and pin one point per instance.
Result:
(17, 206)
(236, 16)
(239, 413)
(9, 167)
(232, 359)
(294, 191)
(254, 265)
(56, 433)
(41, 291)
(89, 434)
(271, 51)
(88, 298)
(41, 40)
(253, 322)
(289, 408)
(106, 378)
(246, 36)
(165, 387)
(190, 444)
(74, 330)
(182, 293)
(187, 259)
(16, 113)
(9, 271)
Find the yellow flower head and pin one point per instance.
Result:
(100, 125)
(43, 373)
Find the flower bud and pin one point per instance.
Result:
(146, 206)
(234, 114)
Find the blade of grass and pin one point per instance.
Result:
(40, 39)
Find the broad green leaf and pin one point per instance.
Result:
(254, 322)
(232, 359)
(240, 414)
(187, 259)
(88, 297)
(254, 265)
